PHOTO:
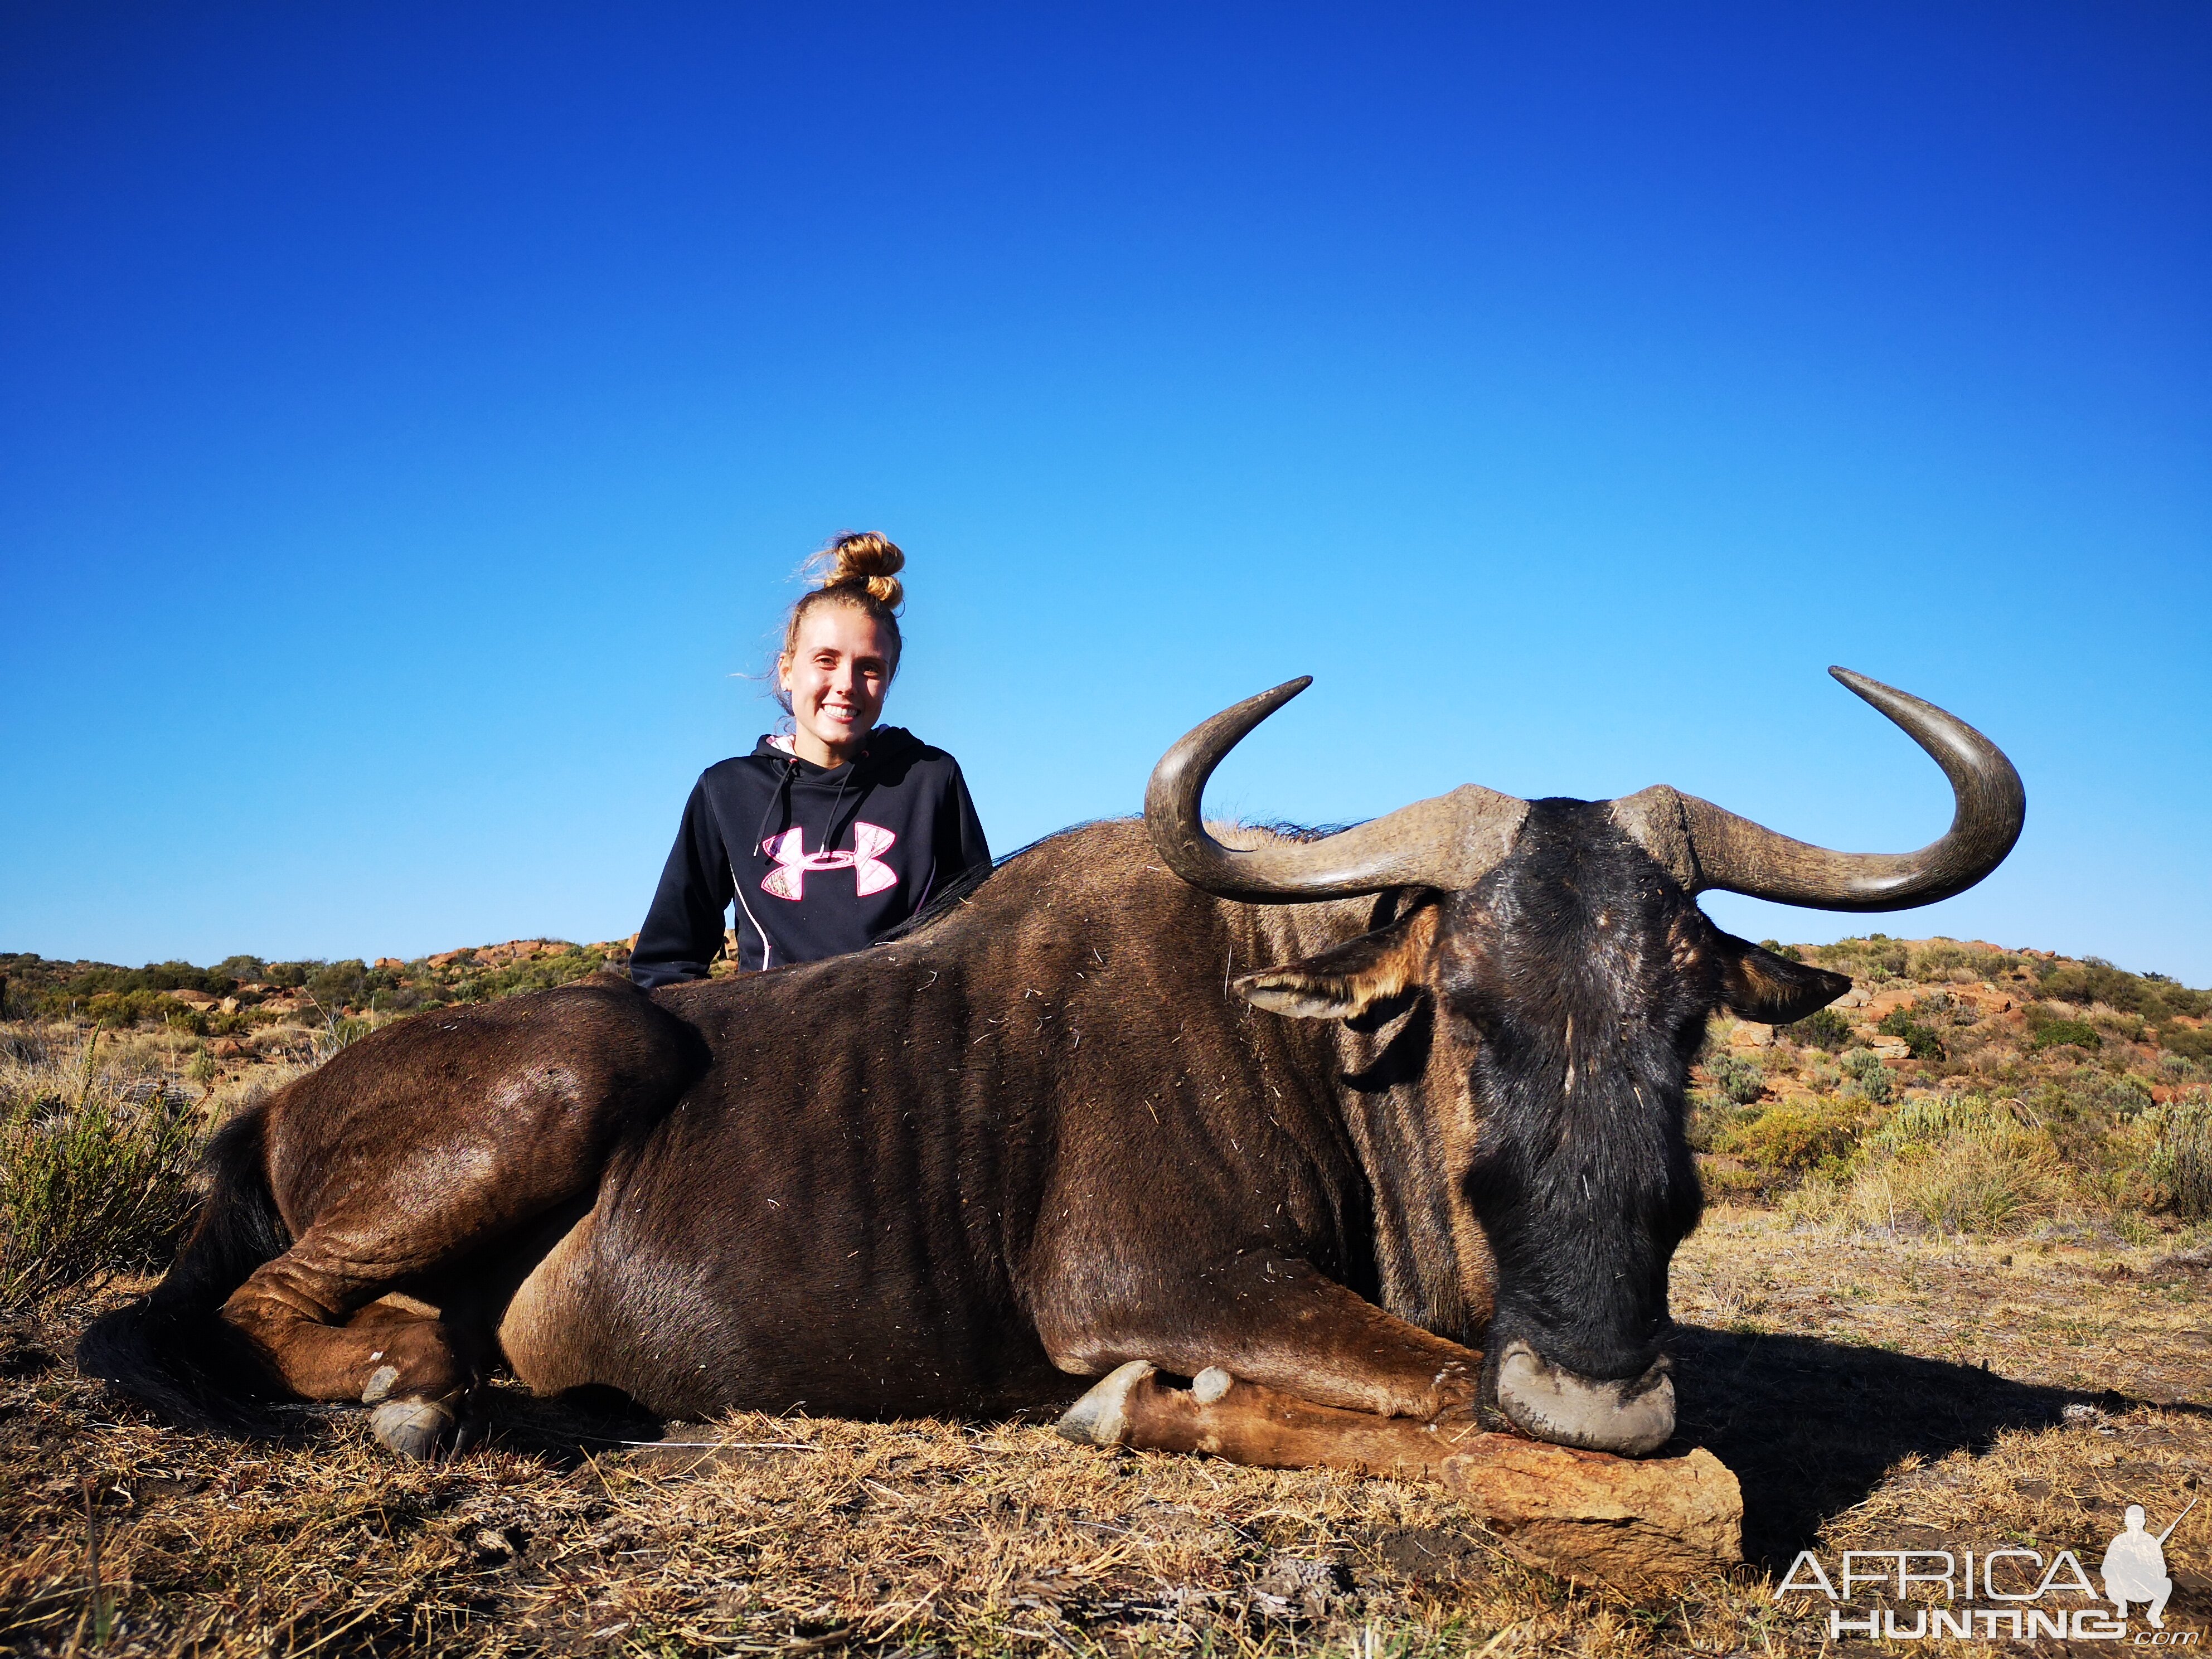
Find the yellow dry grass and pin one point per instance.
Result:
(1843, 1379)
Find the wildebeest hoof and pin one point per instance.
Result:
(1210, 1384)
(1632, 1417)
(380, 1383)
(1101, 1418)
(418, 1429)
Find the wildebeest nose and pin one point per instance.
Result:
(1630, 1416)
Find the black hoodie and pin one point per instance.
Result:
(821, 859)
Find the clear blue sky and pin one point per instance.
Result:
(411, 417)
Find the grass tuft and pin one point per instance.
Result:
(96, 1166)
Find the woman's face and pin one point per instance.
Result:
(835, 676)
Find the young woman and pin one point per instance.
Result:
(830, 836)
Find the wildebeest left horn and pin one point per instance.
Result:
(1449, 841)
(1704, 847)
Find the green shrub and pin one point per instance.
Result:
(1948, 959)
(1876, 956)
(337, 984)
(1958, 1164)
(117, 1009)
(1930, 1120)
(2192, 1045)
(2154, 996)
(2063, 1033)
(1868, 1077)
(89, 1179)
(1823, 1027)
(1713, 1121)
(1920, 1041)
(2180, 1163)
(1739, 1079)
(1797, 1135)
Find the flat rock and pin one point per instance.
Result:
(1629, 1523)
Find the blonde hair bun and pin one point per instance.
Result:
(866, 560)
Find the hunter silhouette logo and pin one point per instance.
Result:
(2020, 1595)
(2135, 1566)
(794, 862)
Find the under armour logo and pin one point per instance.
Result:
(870, 874)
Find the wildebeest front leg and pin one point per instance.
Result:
(1259, 1426)
(1272, 1320)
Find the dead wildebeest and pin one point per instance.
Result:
(1062, 1129)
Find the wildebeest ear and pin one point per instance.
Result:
(1758, 985)
(1349, 980)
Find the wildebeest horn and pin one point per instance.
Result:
(1449, 841)
(1704, 847)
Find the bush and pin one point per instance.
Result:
(1797, 1135)
(1974, 1184)
(90, 1178)
(1955, 1164)
(1868, 1077)
(2154, 996)
(337, 984)
(1740, 1079)
(2180, 1163)
(2192, 1045)
(1876, 956)
(1948, 959)
(1823, 1027)
(1920, 1041)
(2063, 1033)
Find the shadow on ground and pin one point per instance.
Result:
(1811, 1427)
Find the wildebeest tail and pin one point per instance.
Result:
(167, 1350)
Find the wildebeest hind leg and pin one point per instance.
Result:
(303, 1315)
(313, 1313)
(414, 1158)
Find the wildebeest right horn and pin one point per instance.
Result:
(1704, 847)
(1449, 841)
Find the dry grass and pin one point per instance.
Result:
(1866, 1391)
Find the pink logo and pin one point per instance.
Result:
(793, 861)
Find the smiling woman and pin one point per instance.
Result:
(830, 836)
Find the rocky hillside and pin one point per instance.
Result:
(1961, 1086)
